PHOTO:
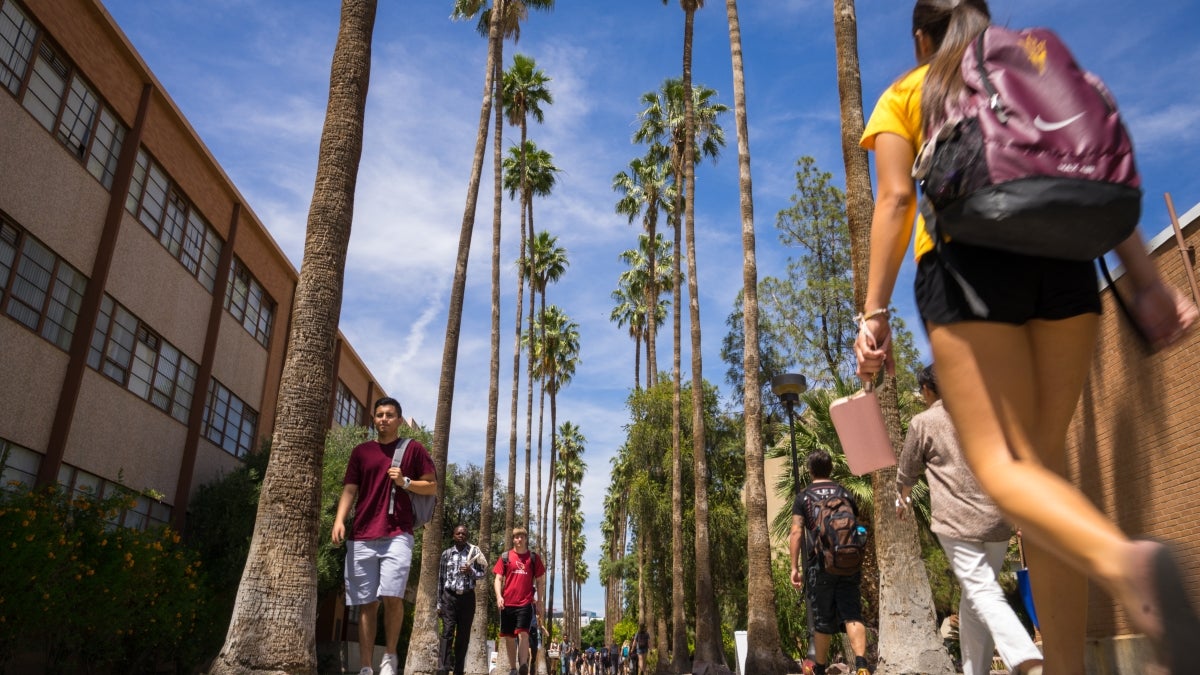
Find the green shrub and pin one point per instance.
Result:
(85, 592)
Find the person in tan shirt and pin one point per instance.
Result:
(973, 533)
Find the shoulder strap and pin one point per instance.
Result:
(401, 451)
(397, 457)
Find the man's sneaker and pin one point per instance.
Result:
(366, 670)
(389, 664)
(523, 670)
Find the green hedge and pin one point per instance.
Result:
(88, 594)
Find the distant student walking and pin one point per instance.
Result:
(973, 533)
(462, 565)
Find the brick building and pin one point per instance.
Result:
(1134, 438)
(145, 306)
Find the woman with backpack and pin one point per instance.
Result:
(1011, 378)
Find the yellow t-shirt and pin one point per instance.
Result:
(899, 112)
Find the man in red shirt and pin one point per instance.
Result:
(519, 589)
(379, 549)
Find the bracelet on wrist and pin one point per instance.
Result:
(865, 316)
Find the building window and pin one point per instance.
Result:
(17, 33)
(249, 303)
(131, 354)
(142, 514)
(57, 97)
(37, 288)
(228, 421)
(18, 466)
(347, 411)
(163, 209)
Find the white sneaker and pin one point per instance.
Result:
(366, 670)
(389, 665)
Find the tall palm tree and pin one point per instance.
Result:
(645, 191)
(546, 264)
(685, 118)
(509, 14)
(524, 93)
(905, 597)
(569, 473)
(271, 628)
(764, 652)
(422, 652)
(556, 357)
(530, 171)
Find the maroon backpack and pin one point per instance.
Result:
(1033, 157)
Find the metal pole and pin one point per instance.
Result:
(812, 649)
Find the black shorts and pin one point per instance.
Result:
(834, 601)
(515, 620)
(1016, 288)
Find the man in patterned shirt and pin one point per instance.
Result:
(462, 565)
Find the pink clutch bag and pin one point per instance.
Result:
(864, 437)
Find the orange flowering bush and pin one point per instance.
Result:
(85, 591)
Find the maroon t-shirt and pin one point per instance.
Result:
(368, 469)
(521, 570)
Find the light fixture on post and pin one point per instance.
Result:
(788, 388)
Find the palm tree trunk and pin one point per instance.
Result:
(678, 594)
(764, 653)
(477, 657)
(423, 644)
(708, 620)
(272, 624)
(908, 637)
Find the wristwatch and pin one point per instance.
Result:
(407, 482)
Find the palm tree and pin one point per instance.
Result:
(631, 298)
(524, 92)
(422, 652)
(556, 356)
(530, 171)
(764, 649)
(905, 597)
(569, 473)
(546, 264)
(645, 191)
(684, 116)
(271, 628)
(509, 13)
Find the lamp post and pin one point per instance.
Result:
(788, 388)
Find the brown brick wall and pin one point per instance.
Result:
(1135, 434)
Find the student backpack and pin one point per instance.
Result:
(1033, 157)
(839, 541)
(422, 505)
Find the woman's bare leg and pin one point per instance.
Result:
(1008, 388)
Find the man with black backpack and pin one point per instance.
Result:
(520, 586)
(825, 522)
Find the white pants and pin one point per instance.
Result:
(985, 619)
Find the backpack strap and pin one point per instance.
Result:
(1137, 327)
(397, 458)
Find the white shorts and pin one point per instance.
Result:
(377, 568)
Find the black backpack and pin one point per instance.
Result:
(532, 559)
(840, 542)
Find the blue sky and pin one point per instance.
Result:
(252, 78)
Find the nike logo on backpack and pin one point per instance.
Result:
(1043, 125)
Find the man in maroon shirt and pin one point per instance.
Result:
(379, 548)
(519, 589)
